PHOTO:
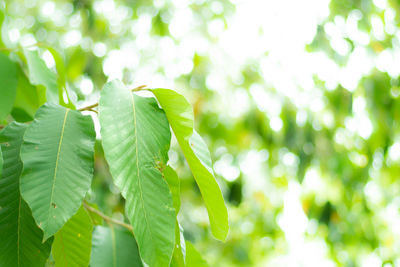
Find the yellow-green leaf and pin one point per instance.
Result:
(193, 257)
(174, 186)
(95, 217)
(180, 115)
(178, 258)
(73, 243)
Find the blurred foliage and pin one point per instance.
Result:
(308, 158)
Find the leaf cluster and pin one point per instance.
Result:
(47, 167)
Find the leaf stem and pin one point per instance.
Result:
(107, 218)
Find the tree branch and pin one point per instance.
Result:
(107, 218)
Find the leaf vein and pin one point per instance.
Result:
(137, 165)
(57, 160)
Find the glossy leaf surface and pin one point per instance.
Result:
(20, 238)
(136, 136)
(57, 154)
(113, 247)
(180, 115)
(73, 243)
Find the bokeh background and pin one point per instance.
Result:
(297, 100)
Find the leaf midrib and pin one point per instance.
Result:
(137, 166)
(57, 160)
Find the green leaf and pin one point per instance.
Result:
(1, 161)
(174, 186)
(1, 26)
(136, 137)
(95, 217)
(180, 116)
(57, 153)
(42, 76)
(76, 63)
(28, 97)
(178, 257)
(114, 247)
(61, 76)
(8, 85)
(73, 243)
(59, 65)
(20, 238)
(193, 257)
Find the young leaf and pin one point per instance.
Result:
(180, 116)
(136, 137)
(57, 154)
(193, 257)
(73, 243)
(8, 85)
(114, 247)
(20, 238)
(174, 186)
(40, 75)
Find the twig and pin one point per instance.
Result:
(90, 108)
(139, 88)
(7, 49)
(93, 110)
(107, 218)
(38, 44)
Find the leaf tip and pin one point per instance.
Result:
(220, 233)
